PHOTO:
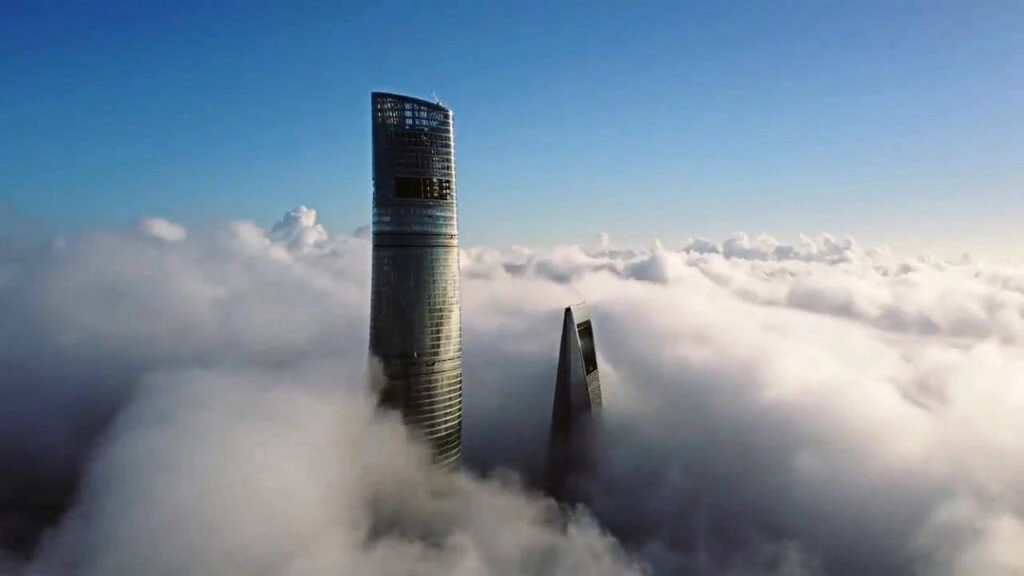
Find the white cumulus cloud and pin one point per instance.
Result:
(299, 229)
(769, 409)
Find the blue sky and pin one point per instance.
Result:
(896, 122)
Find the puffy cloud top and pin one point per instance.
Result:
(299, 230)
(162, 229)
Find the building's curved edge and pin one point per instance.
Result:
(429, 256)
(413, 99)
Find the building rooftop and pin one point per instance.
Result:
(420, 101)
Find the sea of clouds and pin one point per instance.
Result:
(769, 409)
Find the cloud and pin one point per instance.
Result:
(299, 229)
(162, 229)
(814, 409)
(224, 471)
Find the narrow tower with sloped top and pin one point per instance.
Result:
(577, 404)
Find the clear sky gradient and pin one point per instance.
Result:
(896, 122)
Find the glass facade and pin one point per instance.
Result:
(415, 324)
(577, 403)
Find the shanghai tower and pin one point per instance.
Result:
(415, 323)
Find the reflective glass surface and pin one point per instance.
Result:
(415, 324)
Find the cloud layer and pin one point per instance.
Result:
(769, 409)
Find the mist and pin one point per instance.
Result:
(194, 402)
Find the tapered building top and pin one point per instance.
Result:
(577, 402)
(578, 384)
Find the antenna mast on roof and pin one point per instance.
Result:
(436, 99)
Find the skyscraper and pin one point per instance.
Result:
(578, 383)
(577, 401)
(415, 323)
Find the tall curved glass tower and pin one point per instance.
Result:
(415, 323)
